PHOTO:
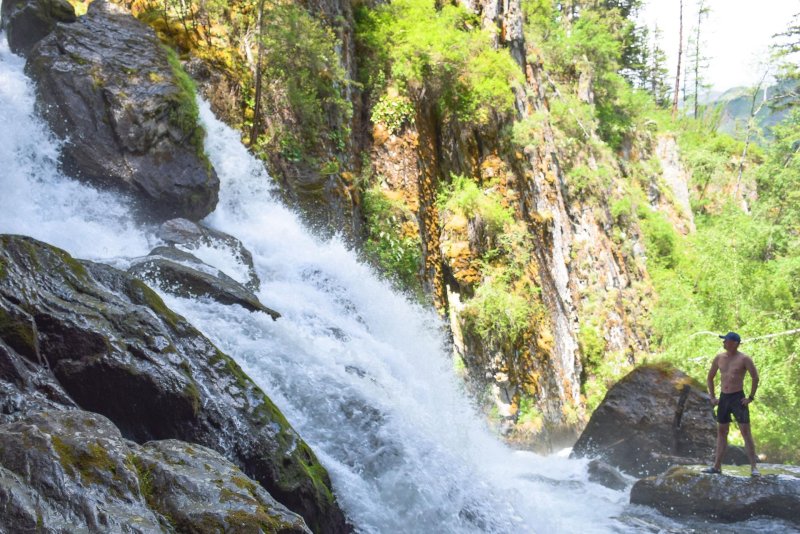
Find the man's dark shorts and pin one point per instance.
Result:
(731, 403)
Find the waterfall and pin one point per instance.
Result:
(362, 373)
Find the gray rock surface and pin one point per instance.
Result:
(191, 236)
(195, 486)
(180, 273)
(734, 496)
(655, 417)
(606, 475)
(25, 387)
(114, 348)
(71, 471)
(129, 117)
(27, 22)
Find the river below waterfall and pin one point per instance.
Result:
(363, 374)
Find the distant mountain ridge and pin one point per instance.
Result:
(737, 104)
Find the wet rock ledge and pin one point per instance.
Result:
(77, 335)
(734, 496)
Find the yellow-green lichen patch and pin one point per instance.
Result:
(193, 394)
(74, 265)
(19, 333)
(89, 464)
(185, 113)
(151, 299)
(256, 521)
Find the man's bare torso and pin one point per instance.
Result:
(732, 369)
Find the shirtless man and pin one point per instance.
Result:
(733, 364)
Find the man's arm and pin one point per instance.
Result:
(710, 379)
(751, 368)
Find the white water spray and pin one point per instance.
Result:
(360, 372)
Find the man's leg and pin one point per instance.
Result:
(749, 444)
(722, 443)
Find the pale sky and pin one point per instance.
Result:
(738, 34)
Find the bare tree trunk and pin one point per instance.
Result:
(697, 59)
(678, 70)
(754, 110)
(256, 130)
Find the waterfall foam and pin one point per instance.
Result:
(359, 371)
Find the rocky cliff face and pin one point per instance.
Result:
(585, 280)
(574, 261)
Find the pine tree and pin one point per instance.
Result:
(785, 52)
(657, 71)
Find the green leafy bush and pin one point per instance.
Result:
(660, 237)
(393, 112)
(498, 313)
(399, 256)
(465, 197)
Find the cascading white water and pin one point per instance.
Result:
(360, 372)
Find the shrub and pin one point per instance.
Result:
(395, 252)
(497, 314)
(393, 112)
(465, 197)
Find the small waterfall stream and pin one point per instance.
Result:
(360, 372)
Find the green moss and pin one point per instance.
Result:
(145, 484)
(185, 114)
(18, 333)
(75, 267)
(31, 251)
(244, 483)
(226, 495)
(151, 299)
(3, 269)
(88, 464)
(257, 521)
(293, 458)
(191, 391)
(304, 467)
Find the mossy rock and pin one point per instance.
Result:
(127, 114)
(118, 350)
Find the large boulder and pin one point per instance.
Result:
(735, 496)
(126, 111)
(116, 349)
(28, 21)
(655, 417)
(72, 471)
(180, 273)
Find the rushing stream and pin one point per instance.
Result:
(361, 373)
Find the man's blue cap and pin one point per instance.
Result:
(733, 336)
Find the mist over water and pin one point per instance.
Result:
(363, 375)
